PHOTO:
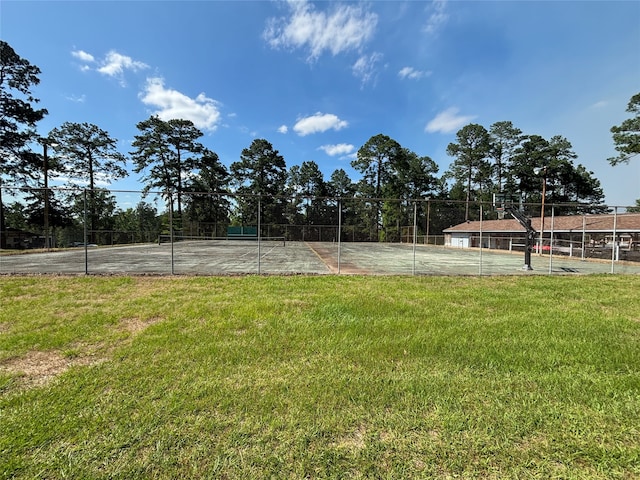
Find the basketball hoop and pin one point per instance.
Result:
(502, 202)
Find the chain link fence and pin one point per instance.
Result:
(131, 232)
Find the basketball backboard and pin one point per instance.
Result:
(504, 200)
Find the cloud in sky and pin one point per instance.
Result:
(412, 74)
(113, 65)
(83, 56)
(338, 149)
(283, 129)
(437, 18)
(344, 28)
(320, 122)
(365, 67)
(448, 121)
(281, 61)
(76, 98)
(171, 104)
(100, 180)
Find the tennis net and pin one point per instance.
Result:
(204, 241)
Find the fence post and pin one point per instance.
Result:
(171, 238)
(428, 220)
(480, 240)
(584, 227)
(86, 237)
(259, 233)
(339, 231)
(1, 216)
(613, 246)
(415, 235)
(553, 211)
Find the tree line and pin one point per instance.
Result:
(172, 162)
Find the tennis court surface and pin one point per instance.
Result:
(277, 257)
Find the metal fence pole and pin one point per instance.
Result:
(1, 216)
(584, 228)
(339, 232)
(480, 240)
(259, 233)
(171, 238)
(86, 236)
(415, 235)
(613, 246)
(428, 221)
(553, 211)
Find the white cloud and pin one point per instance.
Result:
(83, 56)
(283, 129)
(100, 180)
(115, 64)
(318, 123)
(448, 121)
(345, 28)
(437, 18)
(339, 149)
(365, 67)
(600, 104)
(171, 104)
(76, 98)
(412, 74)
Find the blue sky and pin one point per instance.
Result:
(318, 79)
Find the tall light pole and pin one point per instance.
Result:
(538, 171)
(45, 167)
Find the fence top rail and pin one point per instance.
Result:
(222, 193)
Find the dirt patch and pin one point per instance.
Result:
(136, 325)
(329, 259)
(354, 441)
(38, 368)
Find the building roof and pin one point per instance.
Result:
(624, 223)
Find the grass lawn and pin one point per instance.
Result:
(320, 377)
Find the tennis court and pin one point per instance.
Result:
(277, 257)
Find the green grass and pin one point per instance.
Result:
(320, 377)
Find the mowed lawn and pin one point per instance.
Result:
(320, 377)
